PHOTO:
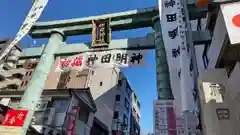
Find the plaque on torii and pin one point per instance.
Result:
(101, 33)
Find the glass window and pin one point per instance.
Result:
(116, 115)
(138, 118)
(138, 104)
(83, 115)
(205, 56)
(60, 105)
(126, 104)
(119, 82)
(125, 120)
(128, 90)
(118, 97)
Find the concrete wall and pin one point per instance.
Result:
(218, 39)
(81, 127)
(209, 104)
(102, 85)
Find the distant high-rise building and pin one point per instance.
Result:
(135, 116)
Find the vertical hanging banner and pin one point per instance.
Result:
(178, 53)
(33, 15)
(178, 56)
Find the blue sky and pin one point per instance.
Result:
(142, 79)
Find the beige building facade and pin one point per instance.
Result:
(218, 82)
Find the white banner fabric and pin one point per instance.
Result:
(103, 59)
(178, 56)
(31, 18)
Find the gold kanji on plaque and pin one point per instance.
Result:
(101, 33)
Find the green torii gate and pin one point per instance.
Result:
(57, 31)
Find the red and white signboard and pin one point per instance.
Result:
(14, 118)
(103, 59)
(231, 15)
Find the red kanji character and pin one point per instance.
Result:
(5, 119)
(12, 120)
(65, 63)
(77, 61)
(20, 116)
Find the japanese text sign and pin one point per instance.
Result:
(115, 58)
(15, 118)
(112, 58)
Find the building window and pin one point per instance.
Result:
(126, 104)
(24, 83)
(205, 56)
(134, 110)
(138, 104)
(119, 82)
(29, 66)
(60, 104)
(5, 68)
(116, 115)
(138, 118)
(19, 66)
(118, 97)
(101, 83)
(128, 90)
(125, 120)
(83, 116)
(30, 73)
(18, 75)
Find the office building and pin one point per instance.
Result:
(10, 71)
(135, 115)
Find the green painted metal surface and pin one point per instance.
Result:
(35, 87)
(147, 42)
(119, 21)
(71, 49)
(163, 76)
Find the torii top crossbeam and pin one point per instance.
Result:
(119, 21)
